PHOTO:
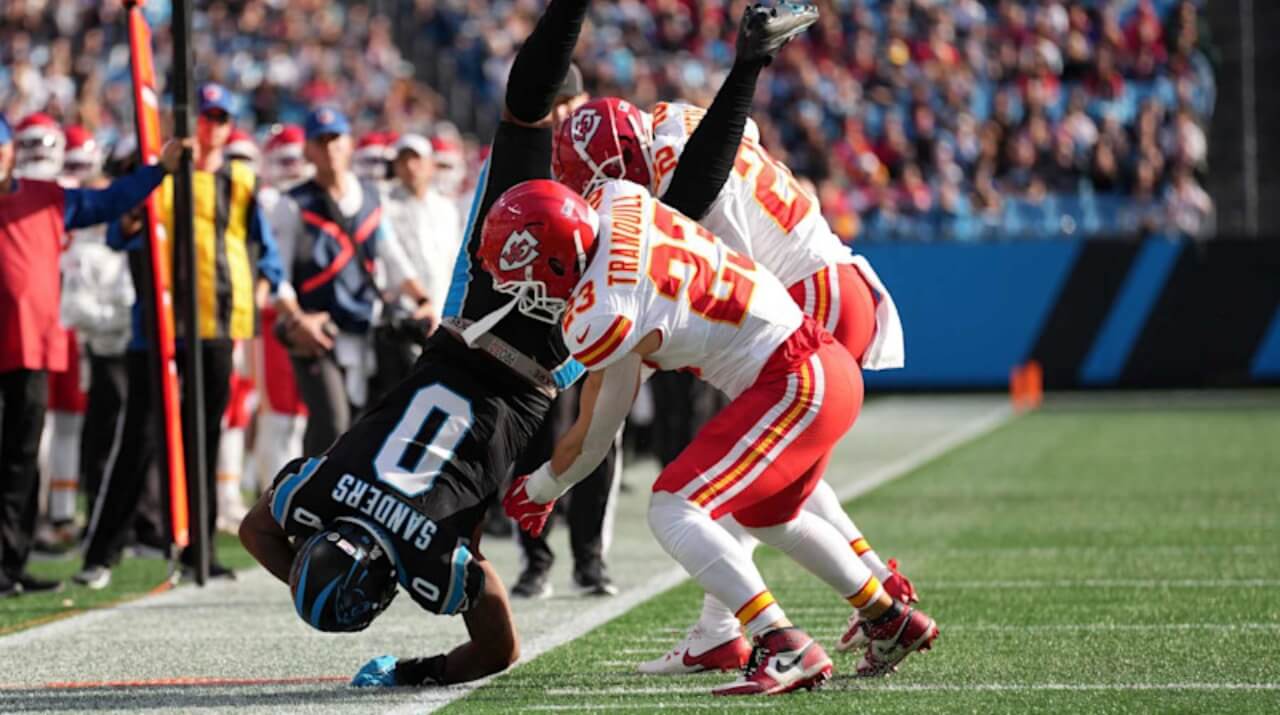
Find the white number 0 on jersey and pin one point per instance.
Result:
(416, 451)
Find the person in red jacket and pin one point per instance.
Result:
(34, 218)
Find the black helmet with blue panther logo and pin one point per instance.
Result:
(344, 576)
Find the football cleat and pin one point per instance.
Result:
(891, 642)
(95, 578)
(698, 653)
(532, 584)
(766, 29)
(783, 660)
(898, 588)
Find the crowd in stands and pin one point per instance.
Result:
(914, 119)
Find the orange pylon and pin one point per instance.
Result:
(1026, 386)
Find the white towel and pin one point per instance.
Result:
(886, 350)
(355, 354)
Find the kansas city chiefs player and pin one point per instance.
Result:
(760, 211)
(650, 287)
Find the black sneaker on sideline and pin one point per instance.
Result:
(216, 571)
(532, 584)
(34, 584)
(594, 581)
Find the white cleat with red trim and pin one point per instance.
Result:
(783, 660)
(899, 588)
(698, 653)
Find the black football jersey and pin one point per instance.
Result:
(518, 154)
(422, 465)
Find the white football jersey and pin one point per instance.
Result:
(762, 211)
(719, 313)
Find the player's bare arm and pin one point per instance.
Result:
(607, 396)
(264, 538)
(493, 646)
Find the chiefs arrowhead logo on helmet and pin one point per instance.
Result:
(585, 125)
(520, 250)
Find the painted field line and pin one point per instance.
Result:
(822, 633)
(920, 688)
(1095, 627)
(592, 618)
(1107, 583)
(930, 687)
(176, 682)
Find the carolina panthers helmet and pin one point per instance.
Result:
(343, 576)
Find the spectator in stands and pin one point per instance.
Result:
(1189, 208)
(1073, 63)
(34, 216)
(228, 225)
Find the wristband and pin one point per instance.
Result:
(542, 486)
(421, 671)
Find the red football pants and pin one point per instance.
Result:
(763, 454)
(839, 299)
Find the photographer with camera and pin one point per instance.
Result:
(332, 233)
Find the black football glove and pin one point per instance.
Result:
(766, 29)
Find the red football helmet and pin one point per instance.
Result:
(535, 243)
(83, 157)
(603, 139)
(40, 147)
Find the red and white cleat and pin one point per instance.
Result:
(913, 631)
(899, 588)
(698, 653)
(783, 660)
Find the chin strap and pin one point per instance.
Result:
(473, 332)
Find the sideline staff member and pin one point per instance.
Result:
(34, 216)
(228, 224)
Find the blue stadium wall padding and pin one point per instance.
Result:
(1266, 361)
(1094, 313)
(971, 311)
(1129, 313)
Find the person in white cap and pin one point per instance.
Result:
(428, 233)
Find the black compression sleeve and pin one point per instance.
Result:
(421, 671)
(709, 154)
(543, 61)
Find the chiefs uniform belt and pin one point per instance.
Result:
(498, 349)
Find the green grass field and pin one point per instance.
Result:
(1076, 560)
(130, 579)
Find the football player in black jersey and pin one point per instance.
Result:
(399, 498)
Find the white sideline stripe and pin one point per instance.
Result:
(432, 700)
(926, 453)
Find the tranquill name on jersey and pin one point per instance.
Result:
(393, 514)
